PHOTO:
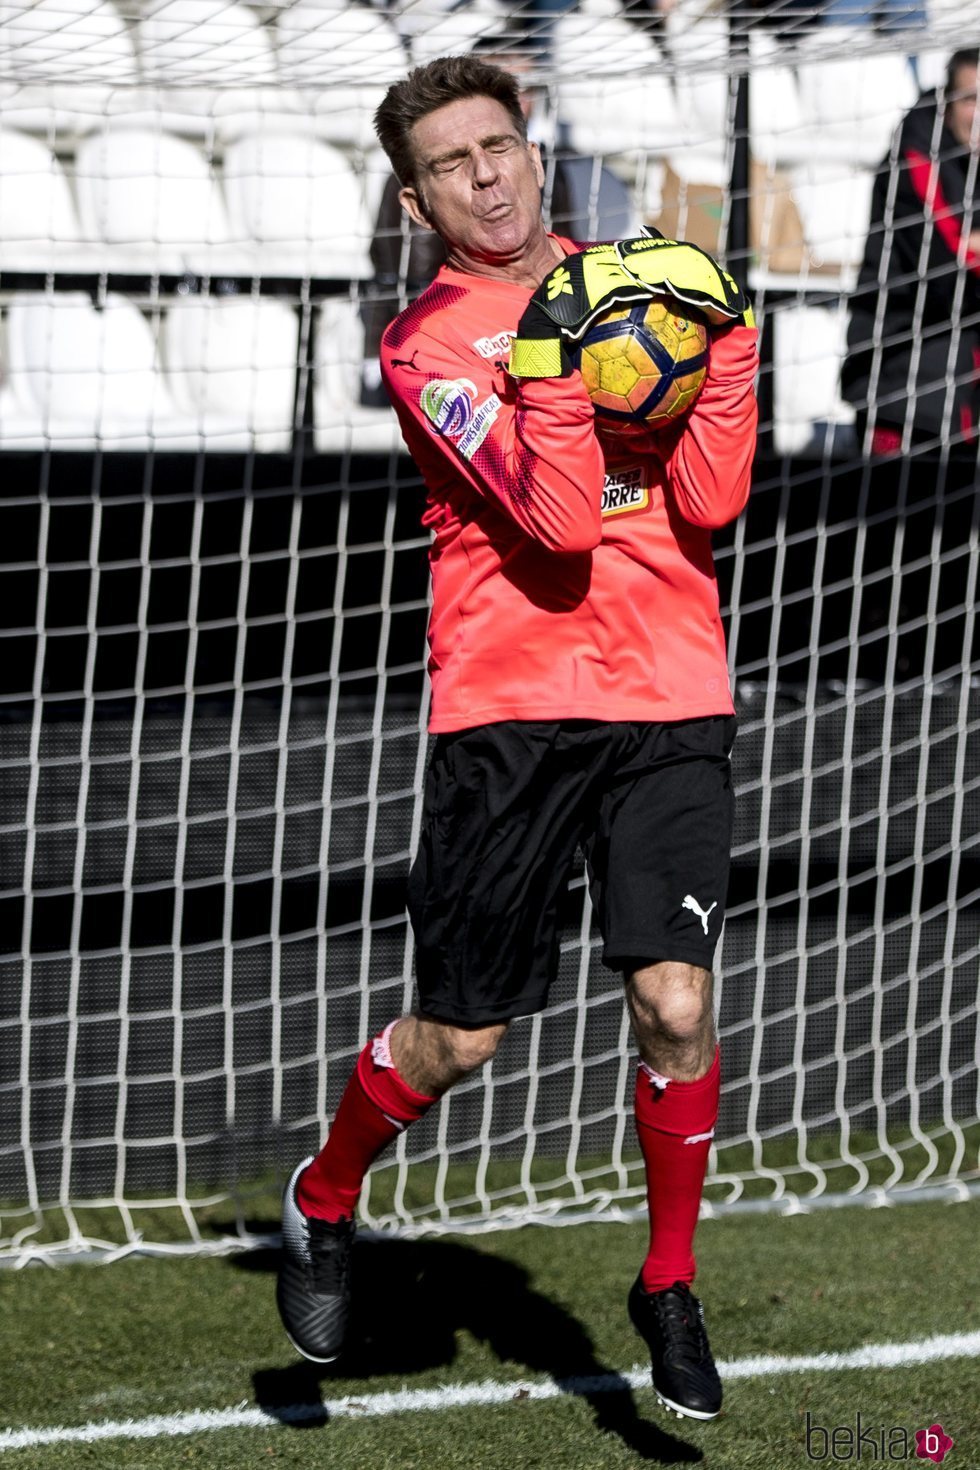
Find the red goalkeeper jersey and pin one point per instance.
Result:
(571, 578)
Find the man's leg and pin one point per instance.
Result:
(676, 1106)
(658, 865)
(398, 1076)
(499, 828)
(677, 1087)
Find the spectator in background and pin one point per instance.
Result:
(913, 342)
(584, 200)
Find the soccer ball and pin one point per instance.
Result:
(644, 365)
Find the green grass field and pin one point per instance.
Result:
(84, 1345)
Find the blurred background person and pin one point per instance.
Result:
(913, 341)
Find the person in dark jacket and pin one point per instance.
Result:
(912, 368)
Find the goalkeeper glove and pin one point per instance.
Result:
(687, 272)
(563, 307)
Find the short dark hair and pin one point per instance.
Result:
(969, 56)
(426, 89)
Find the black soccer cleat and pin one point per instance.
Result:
(313, 1289)
(671, 1322)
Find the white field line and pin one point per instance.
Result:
(466, 1395)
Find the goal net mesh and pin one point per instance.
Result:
(213, 708)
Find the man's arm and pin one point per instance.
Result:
(530, 449)
(709, 453)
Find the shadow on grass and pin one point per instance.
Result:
(410, 1298)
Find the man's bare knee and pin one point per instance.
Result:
(432, 1055)
(671, 1008)
(471, 1048)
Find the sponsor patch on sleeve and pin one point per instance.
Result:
(479, 426)
(623, 490)
(450, 406)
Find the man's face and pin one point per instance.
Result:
(478, 184)
(961, 110)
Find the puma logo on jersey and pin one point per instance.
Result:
(703, 914)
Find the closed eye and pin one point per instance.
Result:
(448, 162)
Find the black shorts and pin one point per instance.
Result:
(505, 808)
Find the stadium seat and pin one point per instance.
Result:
(626, 107)
(930, 67)
(775, 111)
(356, 49)
(341, 425)
(154, 203)
(210, 40)
(834, 203)
(88, 375)
(296, 205)
(850, 103)
(699, 152)
(809, 411)
(63, 58)
(188, 47)
(410, 17)
(41, 38)
(231, 364)
(39, 228)
(452, 34)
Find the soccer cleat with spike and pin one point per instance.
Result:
(313, 1289)
(671, 1323)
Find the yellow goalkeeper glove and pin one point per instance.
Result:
(563, 307)
(687, 272)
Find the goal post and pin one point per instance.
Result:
(213, 709)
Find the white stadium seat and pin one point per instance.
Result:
(204, 40)
(809, 344)
(341, 424)
(43, 40)
(39, 228)
(624, 106)
(931, 68)
(64, 57)
(413, 17)
(850, 103)
(451, 35)
(355, 49)
(232, 365)
(88, 377)
(295, 204)
(701, 152)
(834, 203)
(217, 49)
(153, 201)
(775, 111)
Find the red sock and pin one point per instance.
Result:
(675, 1122)
(376, 1106)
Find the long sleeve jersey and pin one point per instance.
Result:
(572, 577)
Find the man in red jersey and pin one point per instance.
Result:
(580, 691)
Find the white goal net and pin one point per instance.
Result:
(213, 704)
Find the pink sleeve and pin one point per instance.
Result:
(529, 448)
(709, 462)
